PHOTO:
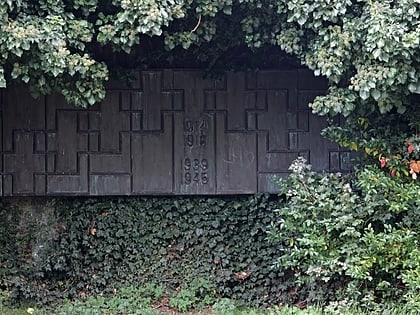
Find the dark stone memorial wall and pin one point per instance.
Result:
(170, 132)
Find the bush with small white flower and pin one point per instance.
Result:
(352, 237)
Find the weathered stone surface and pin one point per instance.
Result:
(172, 132)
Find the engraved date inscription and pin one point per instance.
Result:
(195, 165)
(195, 132)
(195, 171)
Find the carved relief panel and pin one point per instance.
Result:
(170, 132)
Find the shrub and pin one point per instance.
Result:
(352, 239)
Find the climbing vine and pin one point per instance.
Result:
(369, 50)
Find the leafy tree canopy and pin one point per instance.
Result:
(368, 49)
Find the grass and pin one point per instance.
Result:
(78, 308)
(133, 301)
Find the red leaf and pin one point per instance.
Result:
(410, 148)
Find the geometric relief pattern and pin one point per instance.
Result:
(169, 132)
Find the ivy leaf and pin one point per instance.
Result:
(2, 79)
(414, 88)
(376, 94)
(364, 94)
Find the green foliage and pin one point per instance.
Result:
(351, 242)
(199, 293)
(8, 245)
(134, 18)
(390, 141)
(224, 306)
(369, 50)
(47, 50)
(127, 300)
(101, 245)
